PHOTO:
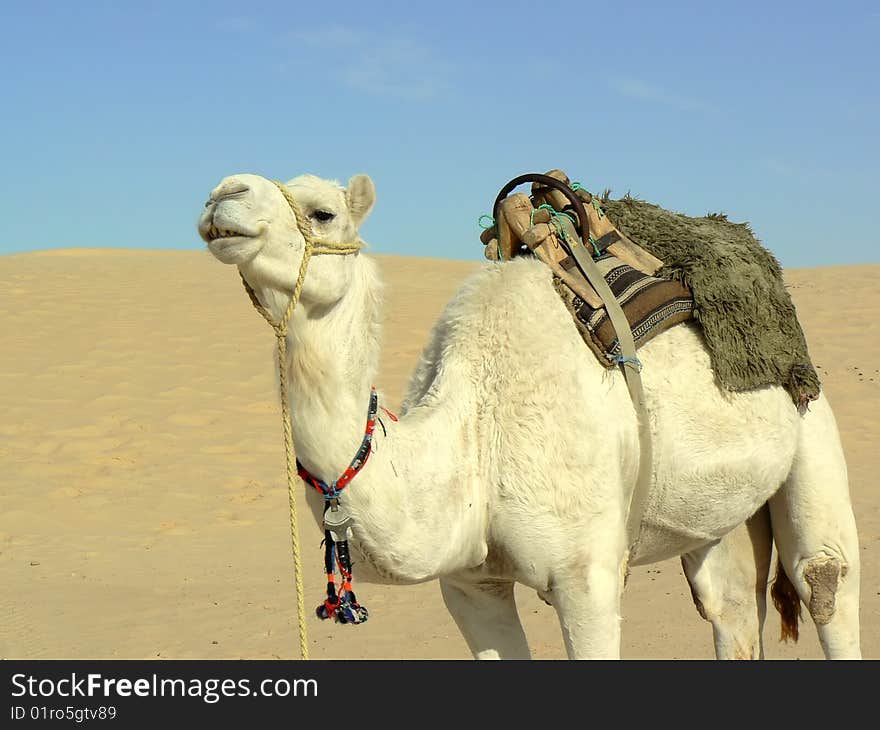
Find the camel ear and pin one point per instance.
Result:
(360, 196)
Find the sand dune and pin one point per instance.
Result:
(143, 511)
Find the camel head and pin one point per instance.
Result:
(248, 222)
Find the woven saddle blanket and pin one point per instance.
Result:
(651, 305)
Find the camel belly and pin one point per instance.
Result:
(718, 455)
(697, 515)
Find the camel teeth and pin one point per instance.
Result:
(221, 232)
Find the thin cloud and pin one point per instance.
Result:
(399, 68)
(636, 89)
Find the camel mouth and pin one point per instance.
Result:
(216, 235)
(232, 247)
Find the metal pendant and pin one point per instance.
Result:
(338, 520)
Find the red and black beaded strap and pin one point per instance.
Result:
(342, 605)
(331, 491)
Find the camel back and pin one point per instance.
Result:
(666, 267)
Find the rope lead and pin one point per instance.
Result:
(312, 246)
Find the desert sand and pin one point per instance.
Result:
(143, 507)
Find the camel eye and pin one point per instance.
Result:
(323, 215)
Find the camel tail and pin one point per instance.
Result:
(787, 602)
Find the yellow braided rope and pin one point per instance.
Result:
(312, 246)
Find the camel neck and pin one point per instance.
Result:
(413, 506)
(333, 361)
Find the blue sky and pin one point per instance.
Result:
(119, 117)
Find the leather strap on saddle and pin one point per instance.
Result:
(631, 367)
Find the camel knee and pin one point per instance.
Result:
(823, 575)
(827, 582)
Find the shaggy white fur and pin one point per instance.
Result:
(515, 448)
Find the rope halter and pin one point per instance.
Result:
(312, 246)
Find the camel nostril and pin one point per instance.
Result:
(227, 190)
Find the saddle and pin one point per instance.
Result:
(549, 225)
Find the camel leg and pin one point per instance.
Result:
(485, 613)
(587, 602)
(728, 582)
(816, 536)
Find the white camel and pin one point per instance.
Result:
(515, 449)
